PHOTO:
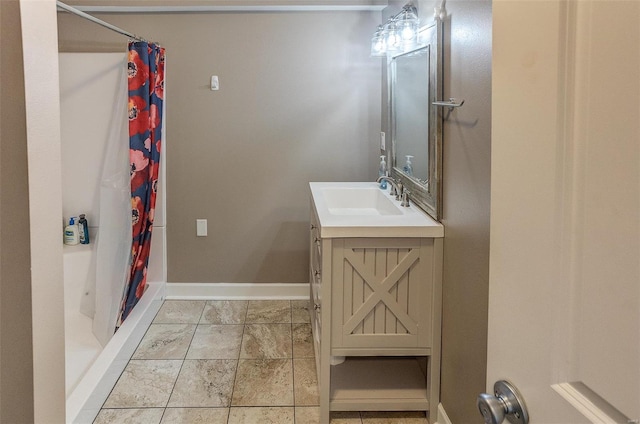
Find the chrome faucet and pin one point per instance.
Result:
(390, 180)
(400, 192)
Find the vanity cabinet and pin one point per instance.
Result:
(376, 314)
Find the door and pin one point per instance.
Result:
(564, 322)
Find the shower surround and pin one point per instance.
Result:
(93, 86)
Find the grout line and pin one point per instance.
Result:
(235, 377)
(123, 370)
(183, 359)
(164, 411)
(178, 375)
(204, 308)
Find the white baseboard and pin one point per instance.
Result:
(237, 291)
(442, 418)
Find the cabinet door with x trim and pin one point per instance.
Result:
(382, 294)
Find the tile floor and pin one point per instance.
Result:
(231, 362)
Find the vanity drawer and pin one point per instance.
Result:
(316, 242)
(316, 265)
(315, 306)
(315, 280)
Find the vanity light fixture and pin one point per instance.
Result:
(378, 43)
(392, 36)
(399, 33)
(407, 26)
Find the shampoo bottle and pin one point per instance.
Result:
(382, 172)
(408, 167)
(71, 233)
(83, 230)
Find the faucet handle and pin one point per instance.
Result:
(400, 190)
(405, 199)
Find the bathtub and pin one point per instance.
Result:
(91, 370)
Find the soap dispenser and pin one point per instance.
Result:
(408, 167)
(71, 233)
(382, 172)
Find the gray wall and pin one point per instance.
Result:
(299, 101)
(467, 171)
(16, 364)
(315, 119)
(466, 198)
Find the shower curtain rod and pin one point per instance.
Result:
(98, 21)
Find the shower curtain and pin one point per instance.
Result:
(145, 72)
(113, 241)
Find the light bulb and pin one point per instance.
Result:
(378, 44)
(408, 33)
(392, 39)
(408, 24)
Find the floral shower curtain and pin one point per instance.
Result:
(146, 95)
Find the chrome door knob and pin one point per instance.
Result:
(491, 408)
(507, 402)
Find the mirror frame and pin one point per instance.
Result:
(426, 195)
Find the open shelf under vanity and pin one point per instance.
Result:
(379, 383)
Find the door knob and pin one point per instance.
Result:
(507, 402)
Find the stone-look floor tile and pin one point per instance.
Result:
(224, 312)
(300, 311)
(261, 415)
(263, 382)
(180, 312)
(165, 341)
(204, 383)
(401, 417)
(195, 416)
(302, 341)
(307, 414)
(345, 418)
(311, 415)
(269, 312)
(266, 341)
(146, 383)
(216, 342)
(129, 416)
(305, 382)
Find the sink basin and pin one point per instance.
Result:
(362, 209)
(359, 201)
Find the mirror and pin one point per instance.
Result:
(411, 101)
(416, 127)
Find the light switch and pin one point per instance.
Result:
(215, 84)
(201, 227)
(382, 141)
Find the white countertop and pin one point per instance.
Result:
(350, 221)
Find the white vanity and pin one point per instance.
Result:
(376, 279)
